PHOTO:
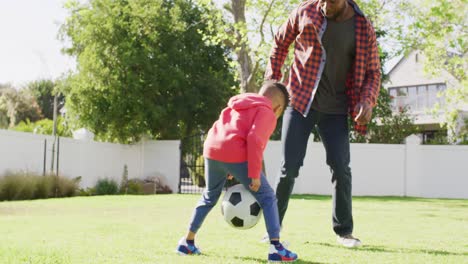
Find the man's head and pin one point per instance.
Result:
(332, 9)
(278, 94)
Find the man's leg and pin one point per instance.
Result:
(294, 136)
(334, 132)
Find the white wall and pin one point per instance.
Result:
(376, 169)
(382, 170)
(91, 160)
(398, 170)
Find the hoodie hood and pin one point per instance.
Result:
(248, 100)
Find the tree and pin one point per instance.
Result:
(143, 69)
(247, 28)
(44, 92)
(17, 106)
(44, 126)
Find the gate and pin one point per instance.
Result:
(192, 165)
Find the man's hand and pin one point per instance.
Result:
(230, 177)
(255, 185)
(364, 115)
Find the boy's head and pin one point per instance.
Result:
(278, 94)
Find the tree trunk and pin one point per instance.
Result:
(242, 49)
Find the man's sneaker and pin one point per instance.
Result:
(184, 249)
(348, 241)
(266, 237)
(282, 255)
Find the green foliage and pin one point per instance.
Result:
(440, 138)
(27, 185)
(87, 191)
(106, 187)
(44, 92)
(247, 27)
(143, 69)
(387, 127)
(135, 187)
(45, 127)
(17, 106)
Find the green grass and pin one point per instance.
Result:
(145, 229)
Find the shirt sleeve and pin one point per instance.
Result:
(263, 126)
(283, 38)
(371, 85)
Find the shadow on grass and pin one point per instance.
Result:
(299, 261)
(398, 250)
(462, 203)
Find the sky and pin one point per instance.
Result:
(29, 45)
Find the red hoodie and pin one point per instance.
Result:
(242, 132)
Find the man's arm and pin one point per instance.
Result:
(371, 84)
(283, 38)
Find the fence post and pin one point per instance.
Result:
(411, 185)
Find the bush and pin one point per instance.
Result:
(106, 187)
(135, 186)
(45, 187)
(87, 192)
(27, 186)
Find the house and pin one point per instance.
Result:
(410, 87)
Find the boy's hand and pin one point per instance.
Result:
(230, 177)
(255, 185)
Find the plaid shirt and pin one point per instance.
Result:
(305, 26)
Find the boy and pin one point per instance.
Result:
(234, 145)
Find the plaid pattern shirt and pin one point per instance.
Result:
(305, 26)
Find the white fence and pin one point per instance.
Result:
(396, 170)
(380, 170)
(91, 160)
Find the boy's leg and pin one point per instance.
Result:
(265, 197)
(215, 176)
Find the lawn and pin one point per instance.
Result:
(145, 229)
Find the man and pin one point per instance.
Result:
(335, 72)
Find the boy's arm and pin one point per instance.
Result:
(263, 126)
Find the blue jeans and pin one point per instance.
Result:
(334, 132)
(215, 175)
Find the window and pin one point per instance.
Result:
(402, 91)
(417, 97)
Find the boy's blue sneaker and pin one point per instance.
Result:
(184, 249)
(281, 254)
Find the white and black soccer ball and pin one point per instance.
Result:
(240, 208)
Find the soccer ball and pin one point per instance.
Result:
(239, 208)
